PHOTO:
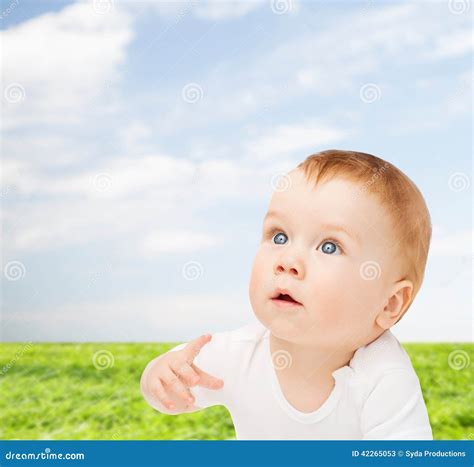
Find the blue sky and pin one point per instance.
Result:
(140, 138)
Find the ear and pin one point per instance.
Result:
(399, 298)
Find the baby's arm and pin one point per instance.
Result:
(395, 408)
(167, 379)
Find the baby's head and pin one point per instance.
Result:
(348, 239)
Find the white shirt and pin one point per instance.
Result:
(376, 396)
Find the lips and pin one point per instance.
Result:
(285, 297)
(282, 297)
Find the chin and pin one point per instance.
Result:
(281, 327)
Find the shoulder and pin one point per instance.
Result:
(250, 333)
(240, 339)
(384, 374)
(383, 355)
(392, 404)
(382, 360)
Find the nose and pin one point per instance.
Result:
(290, 264)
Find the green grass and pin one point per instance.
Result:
(54, 391)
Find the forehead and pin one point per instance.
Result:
(337, 201)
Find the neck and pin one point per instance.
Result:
(314, 362)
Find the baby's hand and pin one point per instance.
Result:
(166, 379)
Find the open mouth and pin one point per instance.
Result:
(285, 300)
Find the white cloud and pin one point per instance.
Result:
(453, 44)
(118, 178)
(135, 137)
(125, 196)
(209, 10)
(301, 138)
(442, 311)
(459, 101)
(318, 62)
(451, 244)
(218, 10)
(175, 241)
(64, 62)
(168, 177)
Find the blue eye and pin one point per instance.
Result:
(330, 247)
(279, 238)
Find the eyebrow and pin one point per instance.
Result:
(325, 226)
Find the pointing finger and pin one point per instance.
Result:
(194, 347)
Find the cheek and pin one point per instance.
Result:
(331, 279)
(257, 277)
(340, 295)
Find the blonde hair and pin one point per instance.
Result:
(403, 201)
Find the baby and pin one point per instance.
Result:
(341, 259)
